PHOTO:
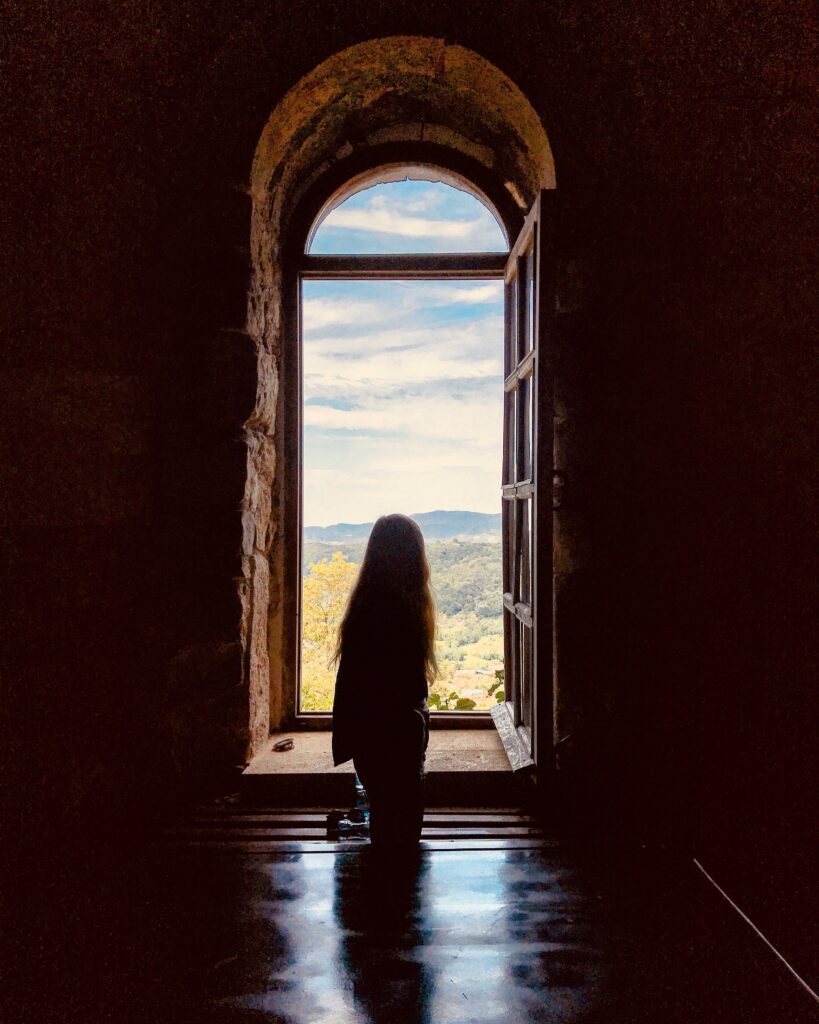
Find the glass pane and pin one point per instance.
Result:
(525, 399)
(530, 429)
(508, 566)
(402, 391)
(509, 343)
(518, 555)
(520, 430)
(530, 506)
(506, 421)
(527, 680)
(511, 434)
(530, 300)
(526, 555)
(520, 310)
(514, 628)
(406, 217)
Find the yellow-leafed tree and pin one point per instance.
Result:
(324, 596)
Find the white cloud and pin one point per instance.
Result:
(404, 357)
(394, 212)
(328, 311)
(467, 421)
(491, 292)
(385, 222)
(365, 306)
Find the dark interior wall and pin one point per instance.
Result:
(680, 139)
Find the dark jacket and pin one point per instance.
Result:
(380, 673)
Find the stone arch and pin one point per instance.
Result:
(416, 93)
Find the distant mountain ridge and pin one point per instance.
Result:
(439, 525)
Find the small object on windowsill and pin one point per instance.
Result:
(283, 745)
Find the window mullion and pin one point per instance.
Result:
(483, 266)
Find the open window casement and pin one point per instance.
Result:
(524, 719)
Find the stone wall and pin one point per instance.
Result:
(131, 398)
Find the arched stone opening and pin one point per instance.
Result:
(398, 100)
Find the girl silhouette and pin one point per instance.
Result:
(385, 656)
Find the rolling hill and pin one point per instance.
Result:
(438, 525)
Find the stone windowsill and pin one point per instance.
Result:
(450, 750)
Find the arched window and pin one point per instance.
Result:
(375, 114)
(394, 230)
(402, 394)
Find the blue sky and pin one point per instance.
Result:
(403, 379)
(409, 216)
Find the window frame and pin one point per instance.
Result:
(299, 266)
(525, 720)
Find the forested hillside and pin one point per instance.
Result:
(467, 585)
(439, 525)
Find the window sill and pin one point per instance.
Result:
(322, 721)
(447, 752)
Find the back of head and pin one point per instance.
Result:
(395, 561)
(391, 593)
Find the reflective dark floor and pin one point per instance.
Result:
(561, 933)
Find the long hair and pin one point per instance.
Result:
(394, 577)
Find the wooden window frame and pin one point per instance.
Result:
(525, 720)
(299, 266)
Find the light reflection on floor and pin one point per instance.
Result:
(453, 937)
(562, 933)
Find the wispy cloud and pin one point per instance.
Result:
(409, 216)
(380, 304)
(329, 311)
(458, 340)
(470, 294)
(381, 219)
(463, 418)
